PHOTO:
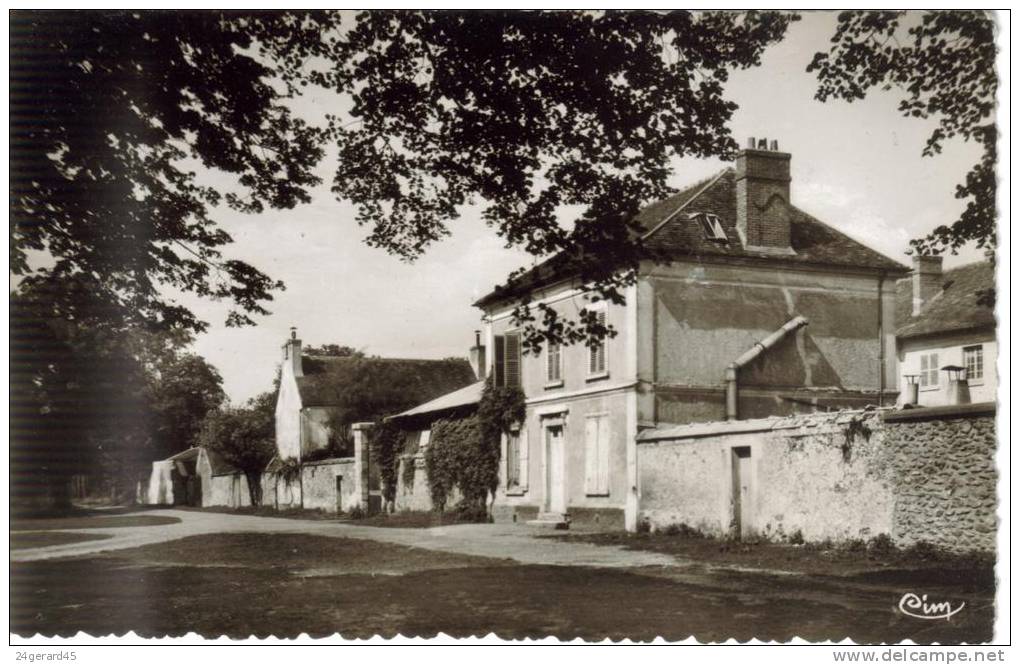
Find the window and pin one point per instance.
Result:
(517, 461)
(507, 354)
(513, 460)
(711, 225)
(553, 364)
(596, 455)
(597, 353)
(974, 361)
(423, 438)
(929, 370)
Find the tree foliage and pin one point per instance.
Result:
(245, 437)
(111, 114)
(91, 398)
(528, 112)
(944, 64)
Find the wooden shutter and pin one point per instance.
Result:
(591, 454)
(513, 456)
(512, 359)
(497, 357)
(602, 485)
(522, 443)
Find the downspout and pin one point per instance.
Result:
(881, 344)
(749, 355)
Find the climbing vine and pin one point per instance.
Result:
(464, 453)
(386, 443)
(855, 427)
(407, 477)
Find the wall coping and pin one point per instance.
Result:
(934, 412)
(770, 424)
(330, 460)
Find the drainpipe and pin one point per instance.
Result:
(749, 355)
(881, 344)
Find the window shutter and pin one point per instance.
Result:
(591, 454)
(522, 443)
(512, 360)
(597, 354)
(497, 357)
(550, 371)
(602, 487)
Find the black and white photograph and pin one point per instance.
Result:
(510, 327)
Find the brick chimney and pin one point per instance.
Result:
(292, 354)
(763, 196)
(477, 356)
(927, 281)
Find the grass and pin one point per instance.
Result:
(809, 558)
(410, 520)
(268, 511)
(285, 584)
(90, 521)
(24, 541)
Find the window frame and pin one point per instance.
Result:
(599, 309)
(931, 370)
(979, 354)
(553, 381)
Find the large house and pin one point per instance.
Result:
(761, 310)
(946, 328)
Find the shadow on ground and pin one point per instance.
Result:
(285, 584)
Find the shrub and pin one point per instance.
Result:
(797, 537)
(924, 551)
(407, 474)
(357, 513)
(881, 545)
(855, 545)
(682, 530)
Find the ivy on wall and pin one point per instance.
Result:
(464, 452)
(386, 442)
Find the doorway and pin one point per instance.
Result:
(555, 490)
(339, 494)
(743, 520)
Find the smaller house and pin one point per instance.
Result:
(946, 329)
(315, 464)
(196, 477)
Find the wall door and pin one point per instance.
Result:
(555, 489)
(743, 521)
(339, 494)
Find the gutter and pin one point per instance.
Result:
(759, 348)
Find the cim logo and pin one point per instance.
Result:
(920, 608)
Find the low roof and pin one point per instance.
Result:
(219, 466)
(962, 305)
(392, 384)
(671, 233)
(466, 396)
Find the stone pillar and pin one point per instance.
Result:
(361, 461)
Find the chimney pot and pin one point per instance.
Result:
(750, 143)
(293, 332)
(774, 146)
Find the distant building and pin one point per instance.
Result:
(947, 319)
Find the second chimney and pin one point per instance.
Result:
(292, 354)
(477, 357)
(926, 281)
(763, 195)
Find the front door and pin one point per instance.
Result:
(555, 492)
(742, 507)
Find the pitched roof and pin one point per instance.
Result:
(670, 232)
(466, 396)
(957, 308)
(380, 386)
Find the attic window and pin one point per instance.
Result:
(711, 225)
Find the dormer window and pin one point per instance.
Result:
(711, 225)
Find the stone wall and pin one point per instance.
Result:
(318, 482)
(924, 474)
(944, 461)
(415, 496)
(229, 490)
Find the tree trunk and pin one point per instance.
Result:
(254, 487)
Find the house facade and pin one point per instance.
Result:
(760, 310)
(947, 320)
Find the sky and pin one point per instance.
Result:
(858, 167)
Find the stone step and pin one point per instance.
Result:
(557, 521)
